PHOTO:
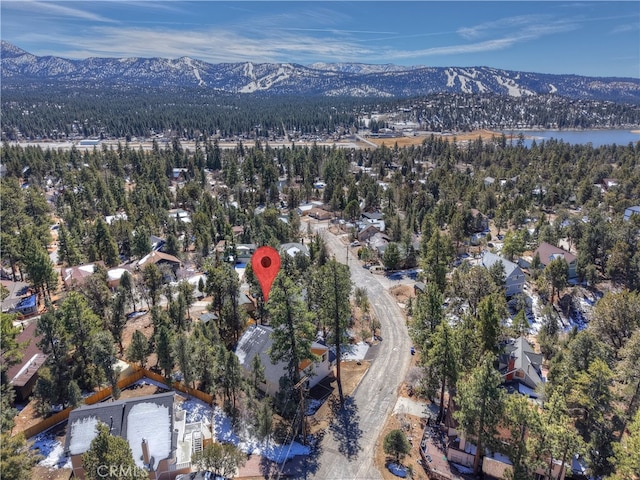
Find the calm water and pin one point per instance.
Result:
(596, 138)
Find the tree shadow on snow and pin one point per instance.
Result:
(346, 427)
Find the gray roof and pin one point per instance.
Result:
(373, 215)
(526, 360)
(292, 249)
(489, 259)
(631, 211)
(115, 415)
(256, 340)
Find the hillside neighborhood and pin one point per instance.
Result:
(508, 275)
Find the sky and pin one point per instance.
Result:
(584, 38)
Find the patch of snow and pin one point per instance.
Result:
(197, 411)
(313, 405)
(451, 77)
(83, 431)
(223, 432)
(552, 88)
(148, 381)
(151, 422)
(52, 451)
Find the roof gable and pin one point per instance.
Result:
(489, 259)
(547, 252)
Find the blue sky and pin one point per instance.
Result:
(584, 38)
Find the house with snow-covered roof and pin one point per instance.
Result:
(161, 440)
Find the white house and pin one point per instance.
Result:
(513, 276)
(257, 340)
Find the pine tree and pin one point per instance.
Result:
(293, 332)
(396, 445)
(107, 449)
(138, 349)
(481, 402)
(334, 307)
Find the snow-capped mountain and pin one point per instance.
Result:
(20, 68)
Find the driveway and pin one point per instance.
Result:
(348, 447)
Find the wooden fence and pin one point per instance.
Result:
(100, 395)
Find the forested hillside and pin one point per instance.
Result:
(58, 113)
(106, 203)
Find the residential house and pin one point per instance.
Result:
(75, 276)
(17, 292)
(372, 218)
(368, 232)
(159, 258)
(156, 242)
(244, 252)
(23, 375)
(489, 181)
(513, 276)
(178, 214)
(161, 440)
(114, 275)
(320, 214)
(179, 174)
(496, 465)
(480, 223)
(629, 212)
(521, 367)
(109, 219)
(257, 341)
(293, 249)
(304, 209)
(379, 243)
(27, 306)
(609, 183)
(547, 252)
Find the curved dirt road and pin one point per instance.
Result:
(348, 447)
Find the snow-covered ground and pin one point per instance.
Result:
(52, 450)
(224, 432)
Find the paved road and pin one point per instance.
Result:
(349, 445)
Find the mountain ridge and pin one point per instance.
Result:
(21, 68)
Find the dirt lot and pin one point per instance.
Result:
(408, 141)
(351, 373)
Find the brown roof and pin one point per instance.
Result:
(155, 257)
(547, 252)
(32, 357)
(79, 273)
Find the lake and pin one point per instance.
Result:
(596, 138)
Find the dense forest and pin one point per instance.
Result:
(191, 114)
(427, 193)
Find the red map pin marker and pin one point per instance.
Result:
(266, 263)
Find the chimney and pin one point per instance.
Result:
(146, 458)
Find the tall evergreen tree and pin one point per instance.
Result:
(481, 402)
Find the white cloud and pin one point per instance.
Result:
(55, 9)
